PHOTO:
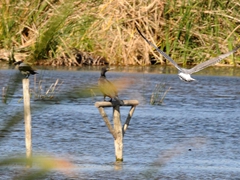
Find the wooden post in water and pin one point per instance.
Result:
(118, 142)
(118, 130)
(27, 120)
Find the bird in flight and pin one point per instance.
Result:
(25, 69)
(106, 87)
(185, 74)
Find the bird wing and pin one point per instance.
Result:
(27, 68)
(107, 88)
(113, 88)
(211, 61)
(160, 51)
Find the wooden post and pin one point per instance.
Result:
(107, 122)
(126, 124)
(118, 130)
(118, 142)
(27, 120)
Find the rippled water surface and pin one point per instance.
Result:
(194, 134)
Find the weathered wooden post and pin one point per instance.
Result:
(118, 142)
(27, 120)
(118, 130)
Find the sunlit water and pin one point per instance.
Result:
(194, 134)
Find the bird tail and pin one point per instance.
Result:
(33, 72)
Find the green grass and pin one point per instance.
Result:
(189, 31)
(47, 40)
(202, 30)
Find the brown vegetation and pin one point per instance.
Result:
(51, 32)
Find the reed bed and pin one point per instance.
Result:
(189, 31)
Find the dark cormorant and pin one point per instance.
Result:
(106, 87)
(25, 69)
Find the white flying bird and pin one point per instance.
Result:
(185, 74)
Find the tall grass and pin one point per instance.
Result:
(204, 29)
(190, 31)
(115, 29)
(47, 41)
(49, 93)
(159, 93)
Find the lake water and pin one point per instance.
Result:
(194, 134)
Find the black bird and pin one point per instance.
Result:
(25, 69)
(106, 87)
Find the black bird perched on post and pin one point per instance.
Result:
(106, 87)
(25, 69)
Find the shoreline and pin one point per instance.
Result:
(80, 59)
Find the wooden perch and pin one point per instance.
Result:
(130, 114)
(107, 122)
(115, 103)
(118, 130)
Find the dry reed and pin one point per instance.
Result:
(115, 30)
(189, 31)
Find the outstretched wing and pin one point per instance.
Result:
(160, 51)
(211, 61)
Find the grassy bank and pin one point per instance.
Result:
(48, 31)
